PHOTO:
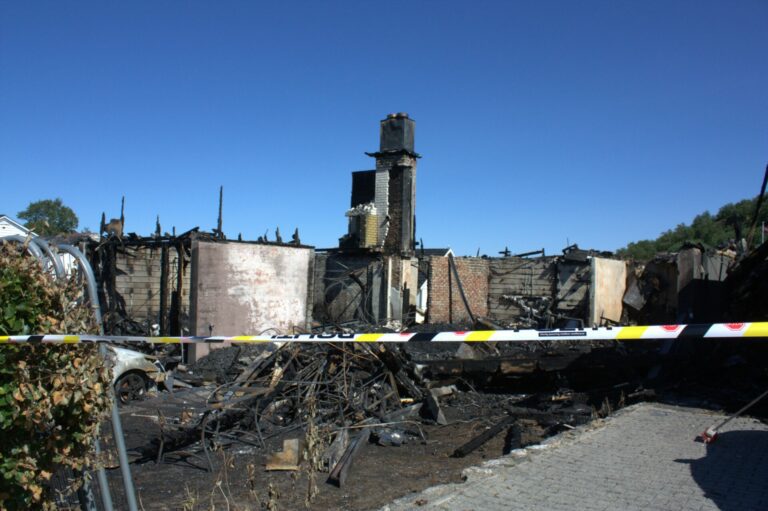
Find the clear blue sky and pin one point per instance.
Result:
(539, 122)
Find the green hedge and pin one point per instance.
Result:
(51, 396)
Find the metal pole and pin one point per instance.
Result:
(58, 268)
(122, 455)
(32, 248)
(101, 473)
(93, 292)
(117, 427)
(101, 476)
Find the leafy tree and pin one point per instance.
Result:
(49, 217)
(732, 222)
(642, 250)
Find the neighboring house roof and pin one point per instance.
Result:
(9, 227)
(438, 252)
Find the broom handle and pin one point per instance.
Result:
(744, 409)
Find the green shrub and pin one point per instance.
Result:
(51, 396)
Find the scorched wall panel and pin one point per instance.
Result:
(241, 288)
(515, 276)
(138, 283)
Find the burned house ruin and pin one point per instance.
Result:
(199, 283)
(378, 278)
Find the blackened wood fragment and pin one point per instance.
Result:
(483, 437)
(514, 438)
(164, 269)
(431, 409)
(339, 473)
(395, 365)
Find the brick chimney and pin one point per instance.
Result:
(382, 217)
(396, 184)
(397, 132)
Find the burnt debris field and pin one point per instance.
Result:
(354, 426)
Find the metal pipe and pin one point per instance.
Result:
(117, 426)
(533, 252)
(93, 293)
(31, 248)
(101, 476)
(58, 267)
(40, 249)
(122, 454)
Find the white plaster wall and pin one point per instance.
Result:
(247, 288)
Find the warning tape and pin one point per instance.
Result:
(617, 333)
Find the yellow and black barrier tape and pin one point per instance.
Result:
(616, 333)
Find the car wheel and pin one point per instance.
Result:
(129, 387)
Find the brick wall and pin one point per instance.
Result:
(392, 241)
(486, 281)
(138, 283)
(444, 303)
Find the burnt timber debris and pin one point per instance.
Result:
(353, 402)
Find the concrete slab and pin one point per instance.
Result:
(642, 458)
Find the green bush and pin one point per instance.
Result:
(51, 396)
(731, 222)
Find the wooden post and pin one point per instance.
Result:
(176, 298)
(450, 294)
(219, 232)
(164, 290)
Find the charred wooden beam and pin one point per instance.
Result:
(176, 297)
(339, 473)
(164, 263)
(220, 220)
(394, 364)
(484, 437)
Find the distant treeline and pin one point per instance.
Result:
(731, 223)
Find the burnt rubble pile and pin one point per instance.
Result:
(310, 408)
(282, 416)
(341, 394)
(322, 402)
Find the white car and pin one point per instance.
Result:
(133, 373)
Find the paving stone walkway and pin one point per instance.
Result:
(643, 458)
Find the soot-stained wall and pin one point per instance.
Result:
(244, 288)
